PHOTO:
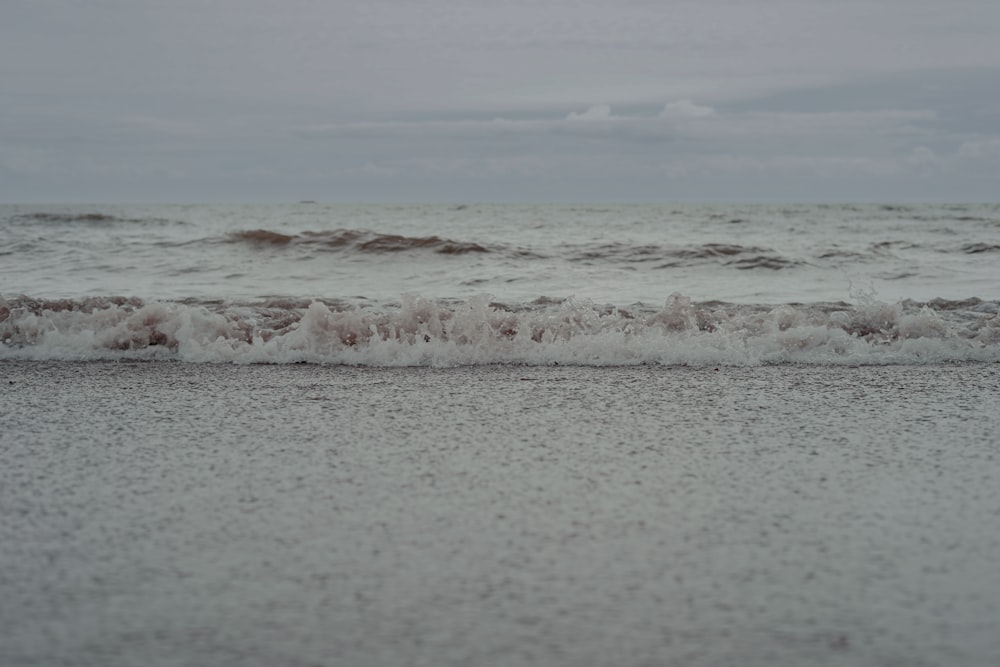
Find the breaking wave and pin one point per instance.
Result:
(423, 332)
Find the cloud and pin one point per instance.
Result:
(597, 112)
(23, 161)
(681, 119)
(165, 126)
(685, 109)
(98, 94)
(923, 156)
(371, 169)
(982, 149)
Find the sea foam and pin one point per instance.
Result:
(418, 331)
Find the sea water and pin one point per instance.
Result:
(633, 435)
(469, 284)
(307, 514)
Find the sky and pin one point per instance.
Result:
(499, 101)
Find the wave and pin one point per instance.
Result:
(423, 332)
(70, 217)
(736, 256)
(91, 219)
(352, 240)
(361, 241)
(976, 248)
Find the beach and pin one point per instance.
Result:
(519, 334)
(165, 513)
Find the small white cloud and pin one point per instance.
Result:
(161, 125)
(922, 155)
(978, 150)
(372, 169)
(596, 112)
(685, 109)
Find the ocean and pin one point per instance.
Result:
(312, 434)
(472, 285)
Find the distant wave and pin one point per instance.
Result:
(976, 248)
(71, 217)
(91, 218)
(421, 331)
(736, 256)
(361, 241)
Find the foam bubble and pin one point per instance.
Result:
(424, 332)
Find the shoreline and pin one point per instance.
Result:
(182, 514)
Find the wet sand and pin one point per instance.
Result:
(184, 514)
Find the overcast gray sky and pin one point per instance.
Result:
(558, 100)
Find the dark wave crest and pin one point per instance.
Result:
(728, 254)
(72, 217)
(94, 219)
(976, 248)
(360, 241)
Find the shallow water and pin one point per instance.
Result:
(189, 514)
(618, 254)
(459, 285)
